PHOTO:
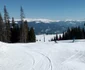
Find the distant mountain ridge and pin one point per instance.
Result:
(42, 26)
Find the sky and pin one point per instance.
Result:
(46, 9)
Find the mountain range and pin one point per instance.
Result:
(45, 26)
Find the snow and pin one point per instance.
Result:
(63, 55)
(40, 38)
(38, 20)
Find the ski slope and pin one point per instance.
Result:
(63, 55)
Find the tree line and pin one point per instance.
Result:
(11, 32)
(71, 33)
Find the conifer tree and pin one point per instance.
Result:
(1, 28)
(13, 22)
(6, 15)
(23, 27)
(22, 15)
(72, 33)
(56, 37)
(25, 32)
(7, 32)
(32, 37)
(14, 32)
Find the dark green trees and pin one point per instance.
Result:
(72, 33)
(32, 35)
(11, 32)
(23, 28)
(7, 32)
(24, 32)
(15, 34)
(6, 15)
(1, 28)
(26, 35)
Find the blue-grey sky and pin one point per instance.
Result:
(49, 9)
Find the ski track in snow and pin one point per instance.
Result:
(43, 56)
(77, 55)
(73, 56)
(31, 57)
(50, 64)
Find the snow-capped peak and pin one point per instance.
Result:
(41, 20)
(38, 20)
(73, 20)
(46, 20)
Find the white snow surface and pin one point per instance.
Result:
(63, 55)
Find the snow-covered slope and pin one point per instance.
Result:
(41, 37)
(63, 55)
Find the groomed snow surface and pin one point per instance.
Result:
(64, 55)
